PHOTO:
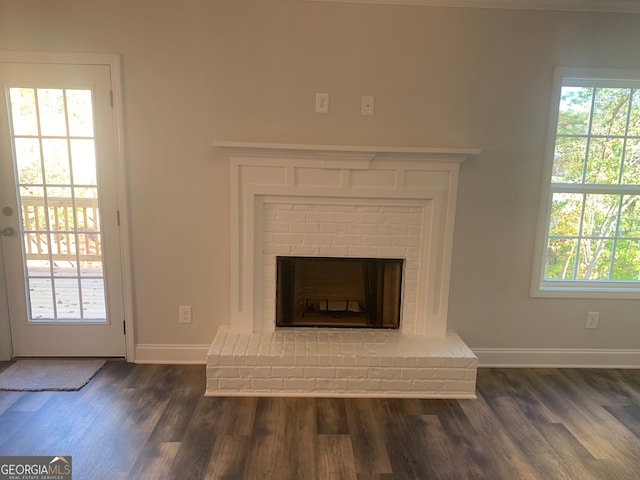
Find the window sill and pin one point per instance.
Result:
(583, 291)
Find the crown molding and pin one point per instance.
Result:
(602, 6)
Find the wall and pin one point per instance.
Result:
(196, 70)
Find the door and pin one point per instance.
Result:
(59, 210)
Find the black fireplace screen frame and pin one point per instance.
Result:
(378, 305)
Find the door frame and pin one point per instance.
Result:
(113, 62)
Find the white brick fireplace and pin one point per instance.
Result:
(330, 201)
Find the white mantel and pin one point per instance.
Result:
(341, 201)
(423, 178)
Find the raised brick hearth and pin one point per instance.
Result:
(340, 363)
(353, 202)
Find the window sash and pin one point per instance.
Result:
(573, 287)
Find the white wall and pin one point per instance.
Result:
(248, 70)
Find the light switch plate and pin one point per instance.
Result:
(367, 105)
(322, 103)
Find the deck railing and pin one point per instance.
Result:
(67, 236)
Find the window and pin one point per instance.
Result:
(591, 241)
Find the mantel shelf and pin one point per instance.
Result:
(351, 152)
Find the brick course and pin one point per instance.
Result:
(356, 231)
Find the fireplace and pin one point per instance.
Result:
(347, 231)
(389, 210)
(338, 292)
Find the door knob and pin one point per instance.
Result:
(7, 232)
(7, 211)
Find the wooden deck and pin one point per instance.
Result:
(68, 304)
(61, 231)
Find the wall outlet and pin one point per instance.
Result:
(184, 314)
(592, 319)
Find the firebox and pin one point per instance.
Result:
(338, 292)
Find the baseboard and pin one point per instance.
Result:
(558, 358)
(487, 357)
(171, 354)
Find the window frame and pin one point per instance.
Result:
(540, 287)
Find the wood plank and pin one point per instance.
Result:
(269, 417)
(418, 448)
(266, 446)
(140, 376)
(332, 416)
(299, 459)
(220, 418)
(7, 399)
(175, 418)
(367, 437)
(334, 458)
(537, 451)
(31, 401)
(587, 420)
(507, 461)
(155, 461)
(12, 426)
(377, 476)
(124, 427)
(58, 422)
(193, 456)
(229, 458)
(244, 411)
(630, 381)
(573, 456)
(451, 416)
(628, 416)
(520, 385)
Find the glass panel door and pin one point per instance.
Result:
(55, 162)
(61, 250)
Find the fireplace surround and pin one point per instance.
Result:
(341, 202)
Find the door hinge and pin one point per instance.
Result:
(118, 217)
(124, 327)
(111, 98)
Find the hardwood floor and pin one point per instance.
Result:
(153, 422)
